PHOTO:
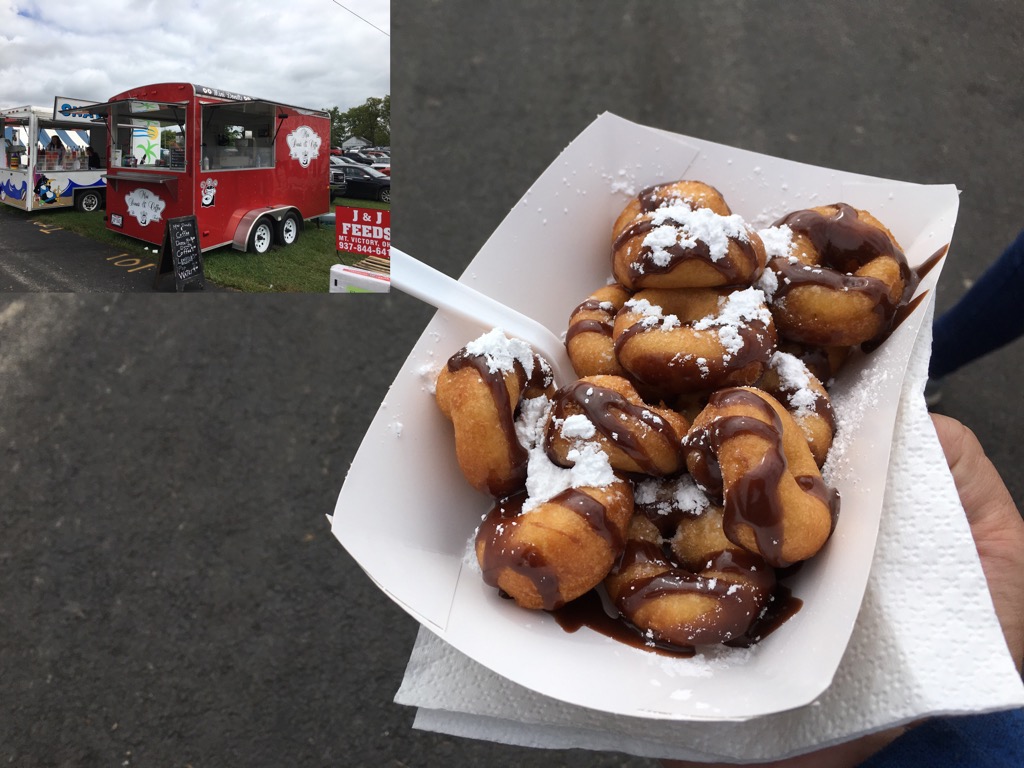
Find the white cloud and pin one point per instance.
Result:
(308, 53)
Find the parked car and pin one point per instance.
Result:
(341, 160)
(359, 157)
(384, 166)
(360, 181)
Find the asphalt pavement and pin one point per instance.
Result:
(39, 255)
(170, 592)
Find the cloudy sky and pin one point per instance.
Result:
(308, 53)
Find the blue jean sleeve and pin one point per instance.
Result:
(994, 740)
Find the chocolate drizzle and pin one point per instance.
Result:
(502, 551)
(844, 243)
(906, 310)
(589, 611)
(651, 199)
(753, 498)
(931, 262)
(615, 418)
(590, 325)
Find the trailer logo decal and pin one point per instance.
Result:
(144, 206)
(208, 190)
(304, 145)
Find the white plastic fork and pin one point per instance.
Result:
(415, 278)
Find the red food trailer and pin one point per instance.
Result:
(251, 171)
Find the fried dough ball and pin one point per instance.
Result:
(557, 551)
(746, 450)
(695, 339)
(588, 339)
(671, 238)
(608, 411)
(702, 590)
(479, 391)
(839, 279)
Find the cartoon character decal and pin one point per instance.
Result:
(208, 190)
(46, 191)
(144, 206)
(304, 145)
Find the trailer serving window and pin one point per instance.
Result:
(59, 146)
(239, 135)
(149, 134)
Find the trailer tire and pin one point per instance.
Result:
(384, 195)
(288, 228)
(262, 235)
(88, 201)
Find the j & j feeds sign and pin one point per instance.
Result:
(365, 231)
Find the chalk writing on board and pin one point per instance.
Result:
(181, 253)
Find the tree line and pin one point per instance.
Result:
(371, 120)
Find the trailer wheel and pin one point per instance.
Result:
(384, 195)
(262, 236)
(88, 201)
(288, 229)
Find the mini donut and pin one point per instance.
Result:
(479, 391)
(711, 594)
(840, 281)
(608, 411)
(746, 450)
(557, 551)
(588, 339)
(681, 245)
(694, 339)
(790, 381)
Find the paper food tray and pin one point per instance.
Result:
(406, 514)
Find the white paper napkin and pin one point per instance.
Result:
(927, 641)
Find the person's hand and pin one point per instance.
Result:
(996, 525)
(998, 532)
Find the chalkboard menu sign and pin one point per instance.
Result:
(180, 253)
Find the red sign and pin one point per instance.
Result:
(363, 230)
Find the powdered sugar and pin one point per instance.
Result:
(502, 353)
(768, 283)
(738, 309)
(651, 315)
(778, 241)
(578, 426)
(544, 479)
(795, 380)
(676, 223)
